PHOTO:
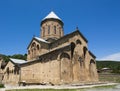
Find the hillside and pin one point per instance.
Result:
(114, 65)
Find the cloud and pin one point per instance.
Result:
(113, 57)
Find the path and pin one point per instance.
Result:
(55, 87)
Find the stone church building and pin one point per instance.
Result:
(54, 58)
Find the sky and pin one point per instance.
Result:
(97, 20)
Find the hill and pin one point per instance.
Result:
(114, 65)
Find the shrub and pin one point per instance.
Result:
(2, 86)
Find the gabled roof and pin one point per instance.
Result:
(39, 40)
(51, 15)
(17, 61)
(73, 33)
(92, 54)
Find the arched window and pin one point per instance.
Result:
(84, 51)
(49, 29)
(92, 69)
(38, 47)
(72, 48)
(7, 70)
(43, 31)
(55, 29)
(92, 61)
(64, 55)
(78, 42)
(33, 45)
(60, 31)
(28, 51)
(33, 49)
(80, 59)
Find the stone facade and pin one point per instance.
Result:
(51, 29)
(58, 59)
(11, 74)
(1, 71)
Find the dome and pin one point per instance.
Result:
(52, 15)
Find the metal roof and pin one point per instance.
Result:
(18, 61)
(40, 39)
(52, 15)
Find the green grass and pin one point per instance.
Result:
(1, 85)
(47, 90)
(109, 78)
(108, 86)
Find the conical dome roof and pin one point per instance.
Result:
(52, 15)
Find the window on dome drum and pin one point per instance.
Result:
(60, 31)
(55, 29)
(43, 31)
(48, 29)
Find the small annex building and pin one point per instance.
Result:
(54, 58)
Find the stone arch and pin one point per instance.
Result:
(72, 48)
(92, 61)
(55, 29)
(78, 42)
(65, 68)
(65, 55)
(38, 47)
(8, 72)
(33, 45)
(84, 51)
(60, 32)
(92, 69)
(81, 61)
(43, 31)
(48, 29)
(33, 50)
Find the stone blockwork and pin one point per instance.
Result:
(51, 29)
(11, 74)
(36, 48)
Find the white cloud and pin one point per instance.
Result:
(113, 57)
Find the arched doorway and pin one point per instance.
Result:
(92, 68)
(65, 68)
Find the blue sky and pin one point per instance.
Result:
(98, 20)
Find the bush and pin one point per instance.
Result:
(2, 86)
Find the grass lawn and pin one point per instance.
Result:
(109, 77)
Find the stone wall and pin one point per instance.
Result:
(36, 49)
(72, 38)
(61, 66)
(11, 74)
(51, 29)
(67, 61)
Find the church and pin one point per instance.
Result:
(54, 58)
